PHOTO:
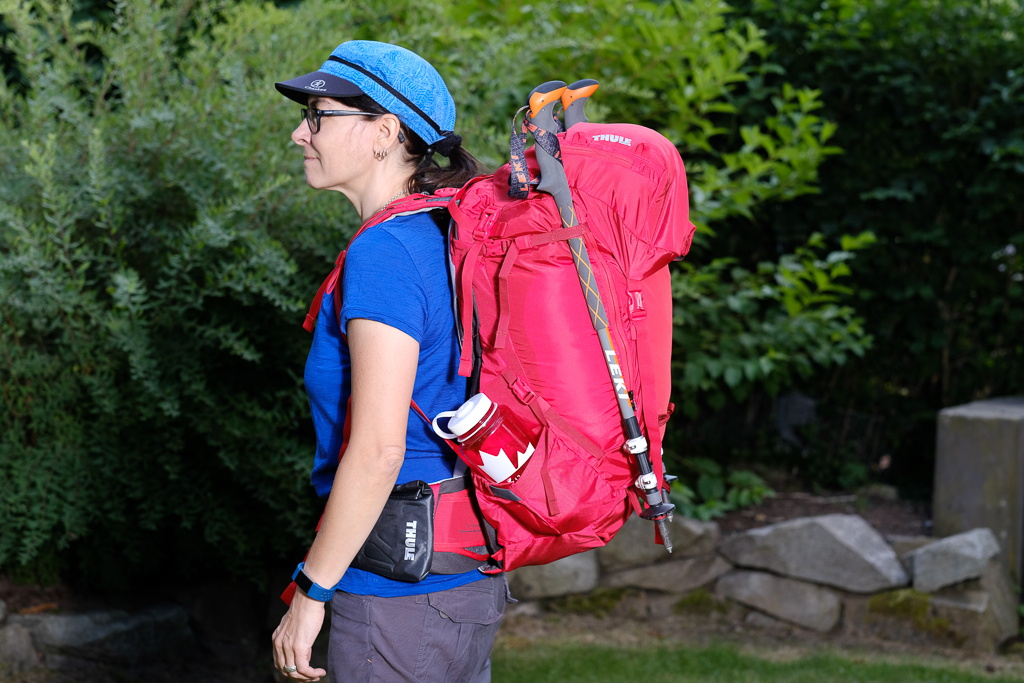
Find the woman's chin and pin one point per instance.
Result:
(314, 182)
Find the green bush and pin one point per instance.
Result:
(929, 97)
(159, 246)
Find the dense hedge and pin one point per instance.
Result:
(929, 100)
(159, 245)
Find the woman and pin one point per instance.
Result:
(377, 114)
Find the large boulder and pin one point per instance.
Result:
(971, 617)
(16, 651)
(634, 546)
(570, 575)
(952, 559)
(680, 576)
(976, 615)
(692, 536)
(799, 603)
(837, 550)
(109, 636)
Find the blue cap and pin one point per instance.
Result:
(397, 79)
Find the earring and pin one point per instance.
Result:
(379, 154)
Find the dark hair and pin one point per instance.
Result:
(429, 175)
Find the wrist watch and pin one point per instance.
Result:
(309, 586)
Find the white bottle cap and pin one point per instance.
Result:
(469, 414)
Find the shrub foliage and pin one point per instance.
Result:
(158, 246)
(929, 98)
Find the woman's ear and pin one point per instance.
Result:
(388, 130)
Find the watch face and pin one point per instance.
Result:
(303, 581)
(307, 586)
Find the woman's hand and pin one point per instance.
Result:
(294, 636)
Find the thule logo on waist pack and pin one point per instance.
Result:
(410, 540)
(614, 138)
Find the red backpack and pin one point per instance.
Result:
(538, 355)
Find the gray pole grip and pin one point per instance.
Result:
(552, 175)
(574, 101)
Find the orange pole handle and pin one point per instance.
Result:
(539, 100)
(584, 88)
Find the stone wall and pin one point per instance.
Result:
(828, 574)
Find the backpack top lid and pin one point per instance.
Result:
(634, 177)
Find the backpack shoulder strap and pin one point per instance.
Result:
(417, 203)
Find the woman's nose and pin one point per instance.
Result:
(301, 135)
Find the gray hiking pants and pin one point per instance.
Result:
(444, 637)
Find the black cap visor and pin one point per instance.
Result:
(317, 84)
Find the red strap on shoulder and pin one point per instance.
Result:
(413, 203)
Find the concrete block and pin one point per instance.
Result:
(979, 474)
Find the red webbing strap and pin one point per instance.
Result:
(419, 411)
(466, 273)
(400, 206)
(574, 434)
(521, 390)
(314, 308)
(506, 267)
(562, 234)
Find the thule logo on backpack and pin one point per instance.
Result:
(614, 138)
(410, 540)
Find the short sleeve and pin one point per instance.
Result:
(381, 283)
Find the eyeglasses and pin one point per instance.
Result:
(312, 116)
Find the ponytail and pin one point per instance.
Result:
(429, 174)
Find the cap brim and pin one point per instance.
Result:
(317, 84)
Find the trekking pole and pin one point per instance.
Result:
(540, 120)
(574, 99)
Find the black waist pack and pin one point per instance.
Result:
(401, 545)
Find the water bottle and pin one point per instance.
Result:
(493, 442)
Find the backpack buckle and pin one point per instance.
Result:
(522, 391)
(636, 305)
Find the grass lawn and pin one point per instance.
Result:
(716, 664)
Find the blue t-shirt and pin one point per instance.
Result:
(395, 273)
